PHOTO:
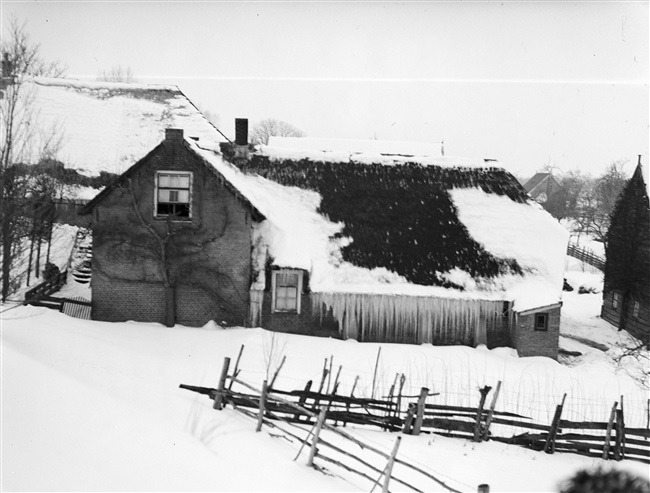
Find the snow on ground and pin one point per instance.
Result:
(96, 406)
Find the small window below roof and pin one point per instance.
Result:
(286, 288)
(635, 309)
(541, 321)
(173, 195)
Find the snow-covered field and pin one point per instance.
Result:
(96, 406)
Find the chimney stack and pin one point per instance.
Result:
(174, 135)
(241, 131)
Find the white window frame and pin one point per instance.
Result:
(155, 194)
(616, 299)
(274, 275)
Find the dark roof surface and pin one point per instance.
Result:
(535, 180)
(401, 218)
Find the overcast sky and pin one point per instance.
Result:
(528, 83)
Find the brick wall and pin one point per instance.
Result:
(116, 300)
(210, 254)
(530, 342)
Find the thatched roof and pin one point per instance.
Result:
(401, 218)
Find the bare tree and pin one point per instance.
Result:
(21, 140)
(117, 73)
(268, 127)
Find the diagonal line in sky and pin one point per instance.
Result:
(632, 82)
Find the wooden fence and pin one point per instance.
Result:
(325, 409)
(46, 288)
(586, 255)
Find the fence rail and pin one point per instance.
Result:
(46, 288)
(326, 409)
(586, 255)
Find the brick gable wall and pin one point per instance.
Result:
(210, 258)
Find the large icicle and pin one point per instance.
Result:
(414, 319)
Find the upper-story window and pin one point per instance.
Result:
(173, 197)
(286, 286)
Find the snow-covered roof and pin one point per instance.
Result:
(108, 126)
(475, 225)
(364, 152)
(358, 146)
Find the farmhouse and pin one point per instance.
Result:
(626, 292)
(542, 187)
(362, 245)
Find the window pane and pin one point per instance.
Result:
(183, 196)
(163, 195)
(179, 181)
(287, 279)
(173, 195)
(163, 180)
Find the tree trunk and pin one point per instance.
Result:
(29, 262)
(170, 305)
(37, 270)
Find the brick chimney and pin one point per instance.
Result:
(241, 131)
(240, 147)
(173, 135)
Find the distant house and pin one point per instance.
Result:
(542, 186)
(411, 252)
(626, 293)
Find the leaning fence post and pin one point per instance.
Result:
(479, 412)
(236, 370)
(608, 433)
(301, 401)
(420, 411)
(408, 420)
(389, 466)
(219, 396)
(275, 375)
(488, 421)
(647, 423)
(549, 446)
(314, 443)
(260, 416)
(620, 433)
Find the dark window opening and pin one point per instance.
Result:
(173, 195)
(541, 321)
